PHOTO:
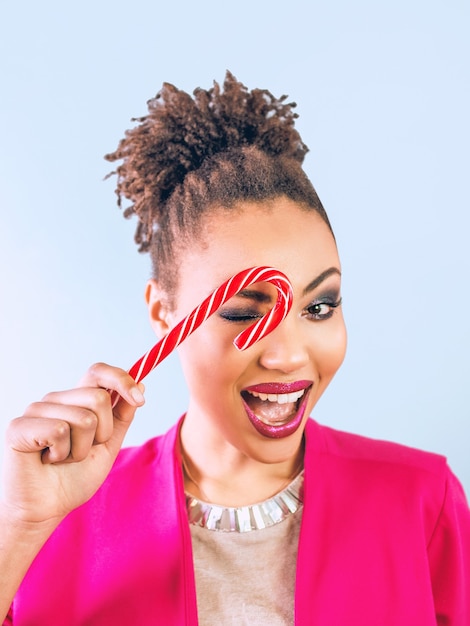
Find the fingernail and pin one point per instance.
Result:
(137, 395)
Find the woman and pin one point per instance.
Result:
(247, 511)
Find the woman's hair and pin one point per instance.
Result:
(214, 149)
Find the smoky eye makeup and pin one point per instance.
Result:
(240, 314)
(323, 306)
(248, 305)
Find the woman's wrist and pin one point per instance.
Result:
(16, 523)
(20, 542)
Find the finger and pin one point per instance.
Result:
(116, 379)
(81, 428)
(49, 438)
(96, 400)
(123, 415)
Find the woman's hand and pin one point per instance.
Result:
(61, 450)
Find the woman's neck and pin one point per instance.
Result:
(216, 472)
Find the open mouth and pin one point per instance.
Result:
(276, 410)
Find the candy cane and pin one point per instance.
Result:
(210, 305)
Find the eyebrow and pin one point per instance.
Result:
(319, 279)
(261, 297)
(257, 296)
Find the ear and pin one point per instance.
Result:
(159, 313)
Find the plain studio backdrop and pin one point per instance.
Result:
(383, 97)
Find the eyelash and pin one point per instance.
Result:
(240, 316)
(332, 305)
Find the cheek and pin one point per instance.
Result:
(330, 349)
(203, 352)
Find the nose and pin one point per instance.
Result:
(286, 348)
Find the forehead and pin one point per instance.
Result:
(279, 234)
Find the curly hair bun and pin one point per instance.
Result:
(181, 131)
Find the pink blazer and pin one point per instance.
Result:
(385, 541)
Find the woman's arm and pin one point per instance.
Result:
(19, 544)
(57, 455)
(449, 558)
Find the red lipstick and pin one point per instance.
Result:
(277, 431)
(297, 385)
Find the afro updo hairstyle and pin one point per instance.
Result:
(191, 154)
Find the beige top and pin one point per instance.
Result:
(247, 578)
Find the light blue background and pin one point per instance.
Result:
(383, 97)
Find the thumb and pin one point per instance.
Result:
(123, 414)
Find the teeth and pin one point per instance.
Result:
(280, 398)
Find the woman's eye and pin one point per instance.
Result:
(240, 316)
(322, 310)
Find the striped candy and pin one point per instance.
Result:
(245, 339)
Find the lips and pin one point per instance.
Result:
(276, 410)
(297, 385)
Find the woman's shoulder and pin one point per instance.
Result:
(361, 449)
(388, 460)
(386, 476)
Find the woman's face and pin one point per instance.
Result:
(258, 400)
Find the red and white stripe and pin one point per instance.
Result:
(210, 305)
